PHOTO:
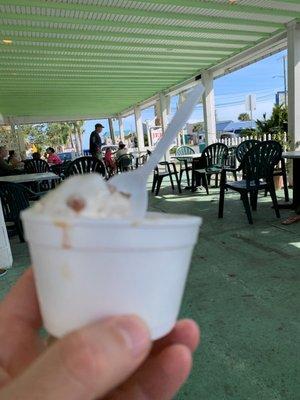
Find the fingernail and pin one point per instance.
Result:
(135, 334)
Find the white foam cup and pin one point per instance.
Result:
(87, 269)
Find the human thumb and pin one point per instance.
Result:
(85, 364)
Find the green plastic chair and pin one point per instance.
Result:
(258, 167)
(86, 165)
(125, 162)
(245, 146)
(242, 149)
(15, 198)
(184, 164)
(215, 156)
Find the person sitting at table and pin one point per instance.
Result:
(52, 157)
(122, 150)
(5, 167)
(12, 157)
(109, 161)
(36, 156)
(14, 160)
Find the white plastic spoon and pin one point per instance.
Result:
(134, 182)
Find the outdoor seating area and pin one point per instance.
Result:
(255, 163)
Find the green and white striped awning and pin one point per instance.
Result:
(91, 58)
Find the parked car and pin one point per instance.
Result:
(113, 148)
(226, 135)
(66, 156)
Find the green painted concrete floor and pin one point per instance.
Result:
(242, 290)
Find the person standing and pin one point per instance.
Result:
(96, 141)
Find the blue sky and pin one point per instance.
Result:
(263, 79)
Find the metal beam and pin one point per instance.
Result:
(227, 7)
(84, 45)
(137, 12)
(64, 56)
(13, 59)
(44, 119)
(10, 28)
(96, 25)
(40, 48)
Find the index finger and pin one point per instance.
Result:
(21, 302)
(20, 320)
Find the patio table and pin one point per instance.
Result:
(24, 178)
(186, 158)
(295, 156)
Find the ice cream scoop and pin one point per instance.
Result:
(86, 196)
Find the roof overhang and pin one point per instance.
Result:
(86, 59)
(256, 53)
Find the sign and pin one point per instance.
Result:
(156, 134)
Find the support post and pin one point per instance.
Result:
(163, 107)
(111, 130)
(181, 136)
(209, 108)
(163, 102)
(139, 128)
(293, 36)
(121, 128)
(149, 134)
(18, 140)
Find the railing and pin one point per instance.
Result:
(235, 141)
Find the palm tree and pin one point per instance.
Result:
(276, 125)
(74, 131)
(244, 117)
(69, 132)
(78, 130)
(57, 135)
